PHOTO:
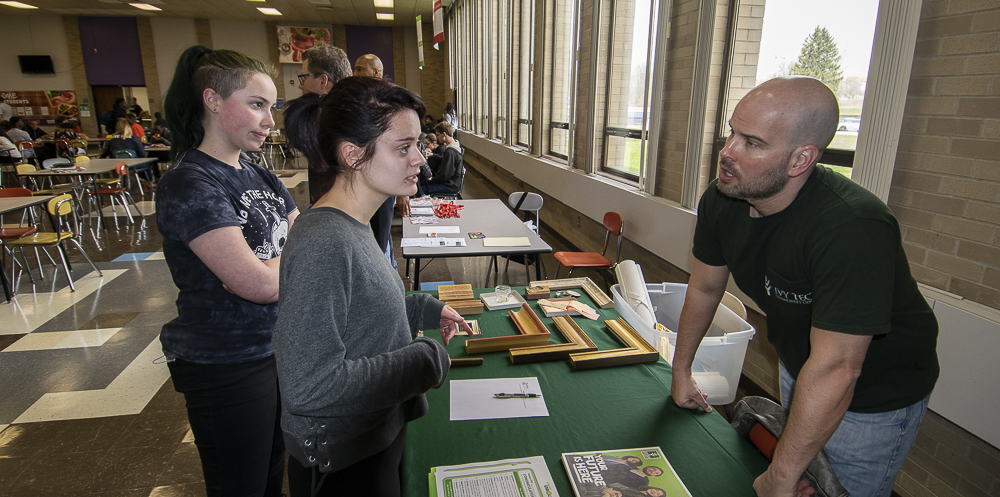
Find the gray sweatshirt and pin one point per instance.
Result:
(350, 373)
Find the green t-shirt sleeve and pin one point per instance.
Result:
(852, 277)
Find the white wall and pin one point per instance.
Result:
(43, 35)
(171, 36)
(248, 37)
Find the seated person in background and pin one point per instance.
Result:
(137, 130)
(433, 151)
(135, 108)
(428, 125)
(42, 150)
(36, 133)
(123, 140)
(66, 131)
(8, 152)
(448, 176)
(160, 136)
(16, 134)
(158, 119)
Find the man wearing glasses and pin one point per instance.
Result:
(321, 68)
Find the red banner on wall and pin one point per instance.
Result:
(438, 23)
(43, 105)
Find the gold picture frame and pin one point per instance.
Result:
(593, 291)
(577, 339)
(532, 333)
(637, 350)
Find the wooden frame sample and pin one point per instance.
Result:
(532, 333)
(593, 291)
(577, 338)
(466, 307)
(637, 350)
(455, 292)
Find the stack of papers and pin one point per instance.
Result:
(435, 241)
(524, 477)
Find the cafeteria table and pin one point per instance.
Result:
(14, 204)
(92, 168)
(488, 216)
(622, 407)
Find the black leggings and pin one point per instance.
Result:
(234, 412)
(375, 476)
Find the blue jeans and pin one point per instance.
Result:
(867, 450)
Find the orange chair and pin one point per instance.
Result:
(117, 189)
(614, 224)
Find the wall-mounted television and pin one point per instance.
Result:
(36, 64)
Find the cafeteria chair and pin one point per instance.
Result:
(113, 187)
(13, 233)
(130, 154)
(58, 208)
(613, 223)
(27, 149)
(30, 168)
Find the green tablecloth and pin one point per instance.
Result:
(602, 409)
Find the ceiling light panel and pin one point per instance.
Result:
(144, 6)
(269, 11)
(382, 16)
(18, 5)
(383, 4)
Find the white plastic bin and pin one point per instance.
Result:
(719, 361)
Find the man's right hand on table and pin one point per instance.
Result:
(686, 393)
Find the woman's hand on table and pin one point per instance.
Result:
(451, 323)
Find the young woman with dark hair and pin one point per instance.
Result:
(351, 370)
(450, 115)
(224, 222)
(301, 130)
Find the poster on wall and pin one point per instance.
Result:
(438, 23)
(293, 41)
(420, 42)
(43, 105)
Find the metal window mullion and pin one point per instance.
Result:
(595, 41)
(656, 82)
(608, 85)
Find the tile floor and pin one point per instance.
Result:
(86, 404)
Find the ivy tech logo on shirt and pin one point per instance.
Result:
(785, 295)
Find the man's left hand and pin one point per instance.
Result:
(768, 485)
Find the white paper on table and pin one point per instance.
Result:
(421, 211)
(507, 241)
(432, 242)
(473, 399)
(496, 479)
(424, 230)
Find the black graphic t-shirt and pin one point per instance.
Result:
(200, 194)
(833, 260)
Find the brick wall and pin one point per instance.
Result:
(946, 195)
(946, 185)
(434, 86)
(676, 99)
(147, 47)
(75, 49)
(399, 55)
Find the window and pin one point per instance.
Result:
(770, 42)
(626, 107)
(561, 66)
(524, 64)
